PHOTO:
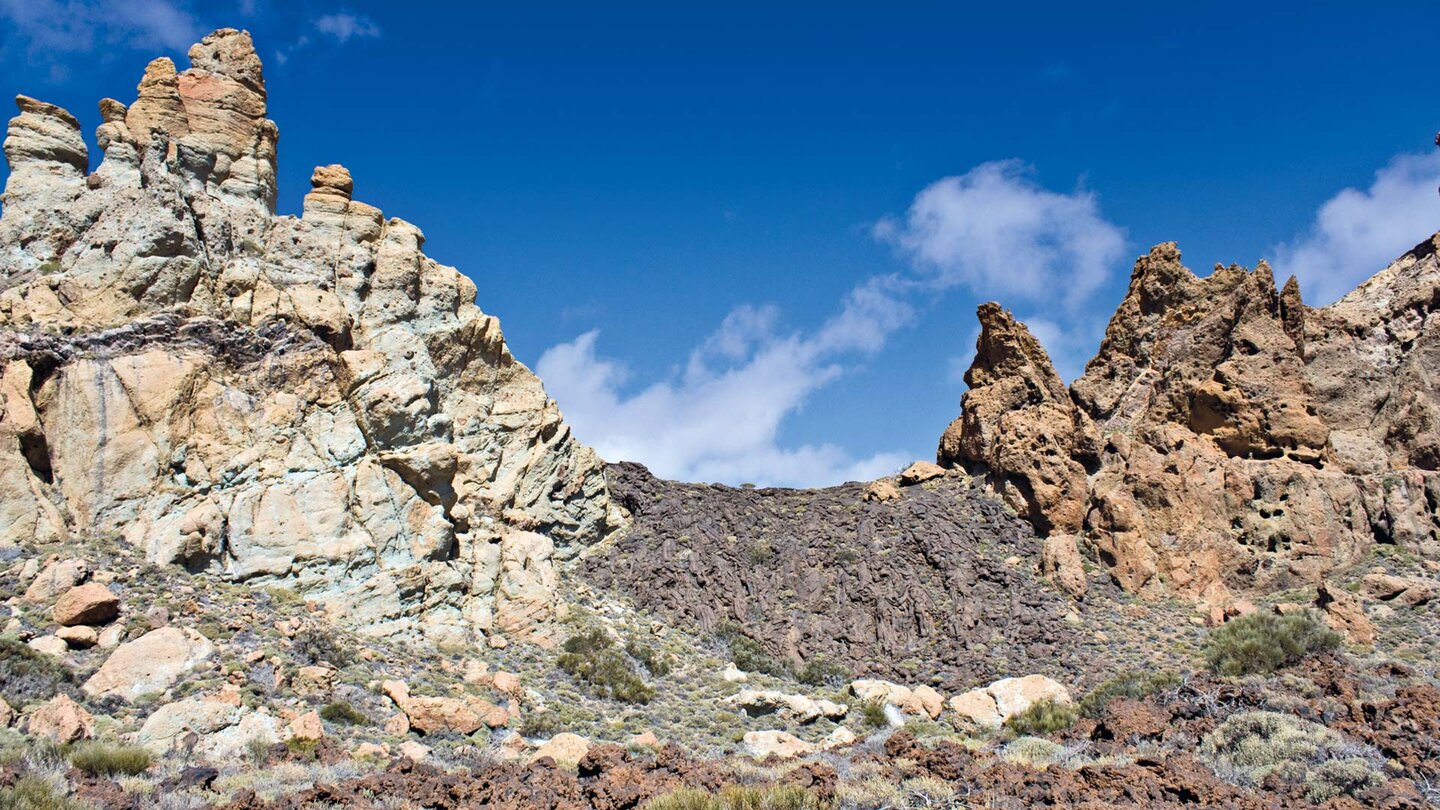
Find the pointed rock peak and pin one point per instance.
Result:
(231, 53)
(112, 111)
(1160, 280)
(35, 106)
(160, 72)
(1006, 348)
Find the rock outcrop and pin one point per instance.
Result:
(309, 402)
(1226, 437)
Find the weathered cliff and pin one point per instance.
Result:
(1226, 437)
(310, 402)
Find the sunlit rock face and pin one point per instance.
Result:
(309, 402)
(1226, 437)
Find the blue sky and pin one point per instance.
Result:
(744, 243)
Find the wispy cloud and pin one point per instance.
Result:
(345, 27)
(338, 27)
(719, 419)
(1000, 235)
(1356, 233)
(79, 26)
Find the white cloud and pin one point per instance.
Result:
(345, 27)
(720, 418)
(1358, 233)
(76, 26)
(997, 232)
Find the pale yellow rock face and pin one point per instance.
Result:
(309, 402)
(152, 663)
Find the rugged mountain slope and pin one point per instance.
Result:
(933, 583)
(309, 401)
(1226, 437)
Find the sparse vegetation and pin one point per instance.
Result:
(341, 712)
(107, 759)
(322, 647)
(1134, 685)
(1043, 717)
(590, 657)
(27, 676)
(1260, 643)
(1250, 747)
(820, 672)
(739, 797)
(658, 662)
(747, 653)
(34, 793)
(872, 714)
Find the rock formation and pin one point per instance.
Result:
(1226, 436)
(308, 402)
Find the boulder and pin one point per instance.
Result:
(920, 472)
(869, 690)
(50, 645)
(795, 708)
(991, 706)
(1345, 613)
(431, 715)
(306, 727)
(79, 637)
(91, 603)
(564, 748)
(209, 730)
(56, 578)
(152, 663)
(779, 744)
(7, 714)
(1060, 561)
(61, 720)
(882, 490)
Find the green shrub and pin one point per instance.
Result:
(591, 659)
(1260, 643)
(28, 676)
(747, 653)
(34, 793)
(1043, 717)
(872, 714)
(1250, 747)
(1032, 752)
(342, 713)
(105, 759)
(819, 672)
(657, 662)
(540, 724)
(1134, 685)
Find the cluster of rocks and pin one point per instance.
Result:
(309, 401)
(1227, 438)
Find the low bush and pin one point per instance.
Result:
(872, 714)
(342, 713)
(1043, 717)
(820, 672)
(34, 793)
(322, 647)
(27, 676)
(1133, 685)
(658, 662)
(1260, 643)
(748, 655)
(739, 797)
(106, 759)
(1032, 752)
(1251, 747)
(591, 659)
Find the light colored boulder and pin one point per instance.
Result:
(882, 490)
(795, 708)
(838, 738)
(1015, 695)
(91, 603)
(152, 663)
(306, 727)
(414, 750)
(564, 748)
(314, 680)
(61, 720)
(50, 645)
(7, 714)
(930, 700)
(223, 731)
(734, 674)
(870, 690)
(920, 472)
(57, 578)
(976, 707)
(782, 745)
(79, 637)
(430, 715)
(1060, 561)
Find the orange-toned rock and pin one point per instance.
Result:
(91, 603)
(62, 720)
